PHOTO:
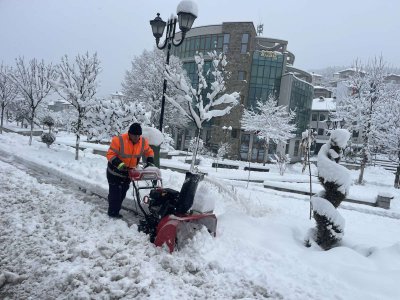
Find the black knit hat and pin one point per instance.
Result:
(135, 129)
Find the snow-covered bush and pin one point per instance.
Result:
(200, 147)
(281, 161)
(49, 122)
(336, 181)
(168, 142)
(223, 149)
(48, 138)
(307, 139)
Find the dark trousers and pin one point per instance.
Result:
(117, 189)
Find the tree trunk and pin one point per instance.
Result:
(266, 152)
(2, 117)
(78, 137)
(397, 177)
(362, 166)
(31, 134)
(195, 151)
(77, 146)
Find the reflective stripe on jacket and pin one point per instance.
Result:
(123, 148)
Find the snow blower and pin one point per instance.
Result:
(168, 219)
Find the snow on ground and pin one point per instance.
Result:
(57, 243)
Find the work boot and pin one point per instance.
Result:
(115, 216)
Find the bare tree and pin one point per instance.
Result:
(32, 80)
(389, 133)
(203, 100)
(270, 121)
(362, 110)
(8, 90)
(143, 83)
(76, 83)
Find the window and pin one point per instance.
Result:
(355, 134)
(245, 41)
(243, 49)
(314, 117)
(226, 42)
(322, 117)
(241, 75)
(320, 131)
(296, 148)
(234, 134)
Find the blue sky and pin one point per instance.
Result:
(320, 34)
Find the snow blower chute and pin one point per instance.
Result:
(166, 212)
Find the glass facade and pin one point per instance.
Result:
(301, 102)
(265, 77)
(202, 43)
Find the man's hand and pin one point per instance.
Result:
(149, 164)
(122, 166)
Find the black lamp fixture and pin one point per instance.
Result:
(187, 13)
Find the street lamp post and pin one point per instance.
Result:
(187, 13)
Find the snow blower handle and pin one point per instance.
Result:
(149, 173)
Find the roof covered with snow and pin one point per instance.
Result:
(321, 103)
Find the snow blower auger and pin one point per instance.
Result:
(168, 219)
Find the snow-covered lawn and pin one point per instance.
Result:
(57, 243)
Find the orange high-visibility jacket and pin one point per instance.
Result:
(123, 148)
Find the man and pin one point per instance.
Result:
(125, 152)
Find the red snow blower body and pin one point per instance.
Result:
(166, 212)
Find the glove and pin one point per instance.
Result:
(149, 164)
(122, 166)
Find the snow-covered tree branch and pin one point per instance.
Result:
(8, 91)
(203, 100)
(389, 133)
(33, 82)
(143, 83)
(76, 83)
(110, 117)
(269, 121)
(364, 110)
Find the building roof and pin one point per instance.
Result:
(324, 104)
(320, 87)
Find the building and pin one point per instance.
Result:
(59, 105)
(259, 67)
(321, 117)
(321, 91)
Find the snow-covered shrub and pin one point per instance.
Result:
(48, 138)
(281, 161)
(336, 181)
(168, 142)
(223, 149)
(49, 122)
(192, 145)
